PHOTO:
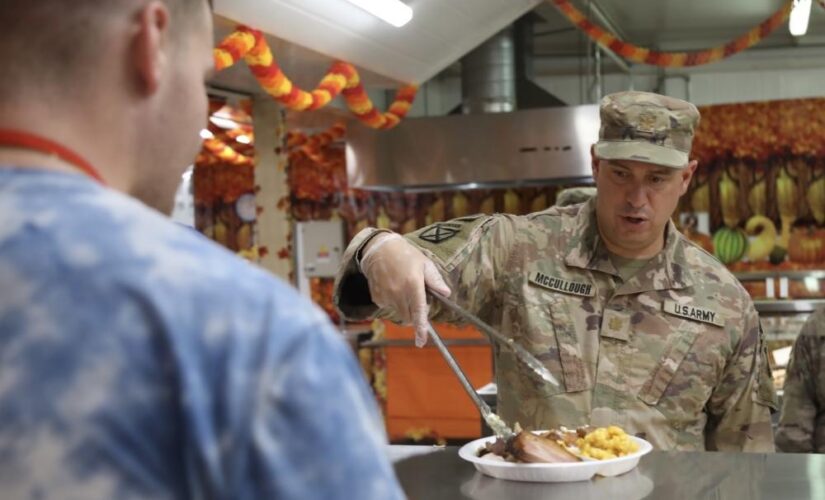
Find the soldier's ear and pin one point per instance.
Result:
(687, 175)
(594, 161)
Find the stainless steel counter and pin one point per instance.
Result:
(431, 473)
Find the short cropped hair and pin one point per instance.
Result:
(55, 41)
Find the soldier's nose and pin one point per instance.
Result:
(636, 197)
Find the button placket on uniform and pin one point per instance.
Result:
(614, 336)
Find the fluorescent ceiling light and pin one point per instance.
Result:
(205, 134)
(798, 23)
(222, 122)
(394, 12)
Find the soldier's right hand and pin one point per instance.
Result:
(398, 274)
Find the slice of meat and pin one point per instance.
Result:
(497, 447)
(527, 447)
(569, 438)
(554, 434)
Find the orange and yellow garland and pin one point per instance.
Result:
(311, 145)
(672, 59)
(342, 78)
(225, 152)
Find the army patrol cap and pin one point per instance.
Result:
(646, 127)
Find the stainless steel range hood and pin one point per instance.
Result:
(534, 146)
(490, 145)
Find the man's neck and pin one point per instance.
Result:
(642, 253)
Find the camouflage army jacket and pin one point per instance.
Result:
(802, 425)
(674, 355)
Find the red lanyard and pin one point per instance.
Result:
(27, 140)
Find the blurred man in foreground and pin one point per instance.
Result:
(139, 360)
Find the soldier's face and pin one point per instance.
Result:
(635, 201)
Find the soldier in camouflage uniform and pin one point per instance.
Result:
(643, 328)
(802, 425)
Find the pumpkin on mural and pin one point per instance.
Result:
(807, 245)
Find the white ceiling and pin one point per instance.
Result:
(440, 32)
(676, 24)
(307, 35)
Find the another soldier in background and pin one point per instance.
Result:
(644, 329)
(802, 424)
(137, 358)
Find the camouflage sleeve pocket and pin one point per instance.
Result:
(667, 367)
(765, 394)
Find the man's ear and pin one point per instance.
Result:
(150, 44)
(594, 161)
(687, 175)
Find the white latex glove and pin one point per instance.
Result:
(398, 274)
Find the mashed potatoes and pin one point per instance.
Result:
(606, 442)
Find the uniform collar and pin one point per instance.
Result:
(585, 250)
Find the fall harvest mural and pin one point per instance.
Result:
(761, 187)
(761, 180)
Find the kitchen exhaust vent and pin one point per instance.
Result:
(510, 130)
(534, 146)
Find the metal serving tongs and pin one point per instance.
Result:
(498, 426)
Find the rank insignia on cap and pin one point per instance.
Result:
(440, 232)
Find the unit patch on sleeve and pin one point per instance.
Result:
(442, 231)
(692, 312)
(561, 285)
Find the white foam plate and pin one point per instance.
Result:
(550, 473)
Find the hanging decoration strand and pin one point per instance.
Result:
(341, 78)
(672, 59)
(225, 152)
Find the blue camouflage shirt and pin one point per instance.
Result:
(140, 360)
